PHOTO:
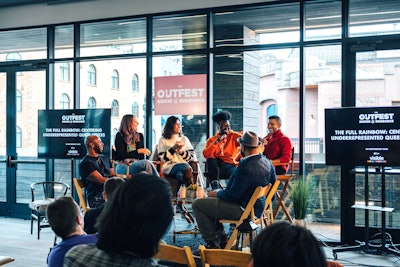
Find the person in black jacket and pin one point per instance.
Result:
(129, 148)
(110, 186)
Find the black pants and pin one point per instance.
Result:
(217, 169)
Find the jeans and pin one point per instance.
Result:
(137, 167)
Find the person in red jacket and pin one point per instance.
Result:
(277, 146)
(221, 148)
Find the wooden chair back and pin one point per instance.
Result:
(331, 263)
(175, 254)
(290, 173)
(267, 217)
(224, 257)
(248, 212)
(79, 191)
(5, 259)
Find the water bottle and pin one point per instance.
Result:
(183, 191)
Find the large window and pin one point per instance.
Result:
(369, 18)
(113, 37)
(278, 24)
(27, 44)
(120, 101)
(173, 33)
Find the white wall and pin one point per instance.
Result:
(43, 14)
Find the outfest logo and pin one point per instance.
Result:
(376, 117)
(73, 118)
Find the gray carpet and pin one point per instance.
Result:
(191, 240)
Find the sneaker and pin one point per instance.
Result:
(211, 244)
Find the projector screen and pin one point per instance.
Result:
(362, 136)
(62, 133)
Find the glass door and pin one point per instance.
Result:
(378, 85)
(23, 91)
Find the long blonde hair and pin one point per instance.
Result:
(126, 129)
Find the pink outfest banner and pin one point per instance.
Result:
(180, 95)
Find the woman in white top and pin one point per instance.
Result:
(176, 151)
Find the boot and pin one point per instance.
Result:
(223, 240)
(188, 177)
(212, 244)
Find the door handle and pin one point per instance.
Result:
(11, 161)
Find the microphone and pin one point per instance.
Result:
(222, 137)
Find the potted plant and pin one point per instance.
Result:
(300, 194)
(191, 191)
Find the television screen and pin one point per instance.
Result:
(362, 136)
(62, 133)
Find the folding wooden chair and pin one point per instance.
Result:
(79, 191)
(267, 217)
(247, 213)
(331, 263)
(224, 257)
(175, 254)
(284, 179)
(5, 259)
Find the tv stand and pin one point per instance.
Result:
(366, 246)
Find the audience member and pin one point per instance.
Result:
(130, 226)
(221, 148)
(90, 218)
(65, 219)
(94, 169)
(176, 152)
(129, 148)
(284, 244)
(254, 170)
(277, 146)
